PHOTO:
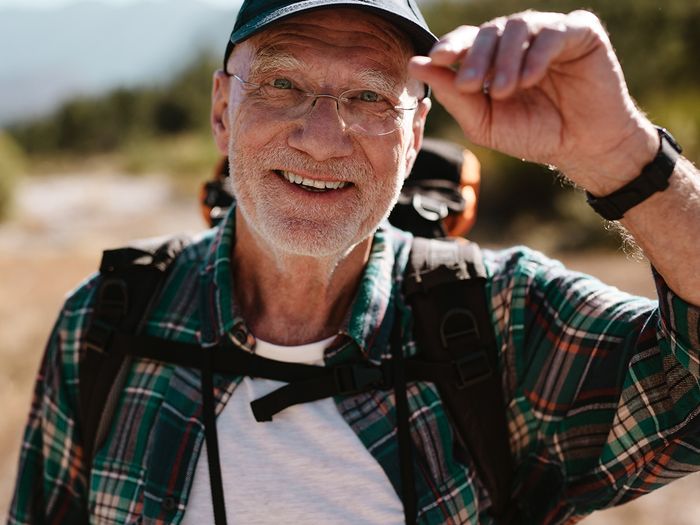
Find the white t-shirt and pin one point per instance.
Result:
(307, 466)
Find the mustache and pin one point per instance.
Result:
(289, 160)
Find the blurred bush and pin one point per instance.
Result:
(124, 116)
(12, 167)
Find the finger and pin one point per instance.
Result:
(545, 47)
(566, 38)
(476, 65)
(453, 46)
(468, 109)
(509, 59)
(425, 70)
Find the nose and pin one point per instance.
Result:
(333, 101)
(321, 132)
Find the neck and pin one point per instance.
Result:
(289, 299)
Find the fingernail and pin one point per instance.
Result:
(468, 74)
(500, 80)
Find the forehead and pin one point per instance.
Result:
(345, 37)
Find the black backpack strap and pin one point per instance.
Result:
(445, 286)
(130, 279)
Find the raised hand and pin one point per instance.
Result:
(546, 87)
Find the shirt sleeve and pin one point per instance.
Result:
(51, 483)
(602, 387)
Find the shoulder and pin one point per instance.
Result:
(189, 256)
(518, 259)
(520, 275)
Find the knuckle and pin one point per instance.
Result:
(586, 20)
(459, 31)
(554, 31)
(490, 31)
(496, 25)
(585, 16)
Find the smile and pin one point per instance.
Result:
(311, 184)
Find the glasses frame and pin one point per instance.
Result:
(337, 99)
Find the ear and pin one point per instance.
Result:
(220, 124)
(417, 127)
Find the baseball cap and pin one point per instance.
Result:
(256, 15)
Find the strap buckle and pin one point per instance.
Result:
(472, 369)
(458, 323)
(358, 377)
(98, 336)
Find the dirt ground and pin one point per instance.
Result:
(54, 240)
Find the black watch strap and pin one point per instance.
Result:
(654, 177)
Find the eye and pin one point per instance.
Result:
(282, 83)
(369, 96)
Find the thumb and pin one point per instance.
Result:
(468, 109)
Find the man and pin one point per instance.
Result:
(321, 108)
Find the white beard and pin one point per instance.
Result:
(297, 228)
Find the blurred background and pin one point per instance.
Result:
(104, 137)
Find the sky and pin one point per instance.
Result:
(52, 4)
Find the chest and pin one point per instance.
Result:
(145, 469)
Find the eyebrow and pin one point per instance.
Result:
(270, 59)
(377, 80)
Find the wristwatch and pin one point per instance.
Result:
(654, 177)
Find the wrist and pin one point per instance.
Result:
(624, 162)
(654, 177)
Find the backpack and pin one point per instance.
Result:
(444, 284)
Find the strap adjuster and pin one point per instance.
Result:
(351, 379)
(472, 369)
(98, 336)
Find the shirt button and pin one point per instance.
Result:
(169, 503)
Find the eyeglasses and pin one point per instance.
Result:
(361, 111)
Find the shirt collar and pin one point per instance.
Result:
(372, 312)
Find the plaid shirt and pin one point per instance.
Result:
(601, 390)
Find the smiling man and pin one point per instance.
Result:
(320, 108)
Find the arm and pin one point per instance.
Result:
(603, 388)
(51, 485)
(556, 95)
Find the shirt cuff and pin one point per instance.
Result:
(680, 323)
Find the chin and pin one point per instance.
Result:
(308, 238)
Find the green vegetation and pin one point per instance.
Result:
(123, 117)
(166, 128)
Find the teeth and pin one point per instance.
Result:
(311, 183)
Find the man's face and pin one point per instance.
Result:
(278, 164)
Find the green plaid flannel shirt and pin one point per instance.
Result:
(601, 390)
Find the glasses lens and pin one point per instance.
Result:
(286, 103)
(368, 113)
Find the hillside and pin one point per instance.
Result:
(49, 56)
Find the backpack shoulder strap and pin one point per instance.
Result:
(445, 285)
(130, 279)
